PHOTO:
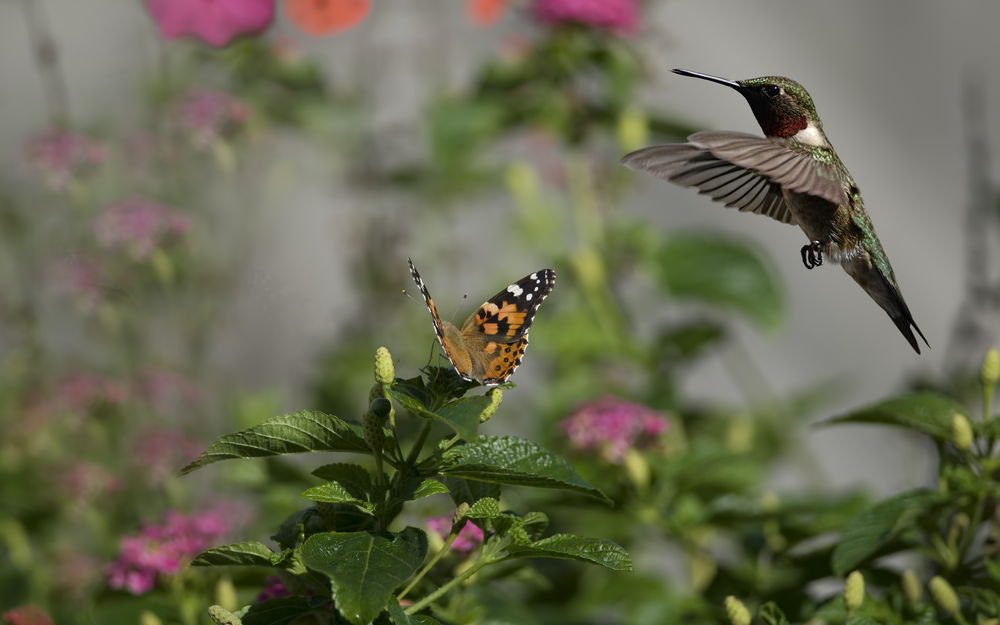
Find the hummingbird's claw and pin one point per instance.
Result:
(812, 254)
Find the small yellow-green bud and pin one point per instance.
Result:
(990, 372)
(961, 431)
(222, 616)
(385, 373)
(148, 618)
(371, 424)
(632, 129)
(911, 586)
(496, 396)
(944, 595)
(854, 591)
(459, 517)
(736, 611)
(225, 594)
(739, 435)
(636, 467)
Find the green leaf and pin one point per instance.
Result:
(923, 411)
(363, 568)
(986, 602)
(470, 491)
(513, 460)
(723, 272)
(280, 611)
(353, 477)
(333, 492)
(462, 415)
(400, 617)
(876, 527)
(429, 487)
(608, 554)
(239, 554)
(298, 432)
(486, 508)
(771, 614)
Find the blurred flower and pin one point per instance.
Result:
(210, 115)
(469, 537)
(273, 589)
(61, 156)
(484, 12)
(76, 573)
(612, 426)
(216, 22)
(87, 481)
(27, 614)
(160, 452)
(160, 550)
(81, 391)
(620, 15)
(325, 17)
(138, 225)
(161, 386)
(81, 278)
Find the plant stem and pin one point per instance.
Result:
(417, 446)
(458, 579)
(47, 59)
(430, 564)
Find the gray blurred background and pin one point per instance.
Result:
(887, 78)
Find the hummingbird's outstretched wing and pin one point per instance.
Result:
(742, 171)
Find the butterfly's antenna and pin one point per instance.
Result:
(406, 293)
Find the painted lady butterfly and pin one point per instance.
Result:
(490, 344)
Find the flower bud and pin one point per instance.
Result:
(148, 618)
(371, 424)
(496, 396)
(222, 616)
(636, 467)
(459, 516)
(911, 586)
(854, 591)
(736, 611)
(225, 594)
(385, 372)
(990, 372)
(632, 129)
(961, 431)
(944, 595)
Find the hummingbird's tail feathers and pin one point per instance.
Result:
(886, 294)
(905, 322)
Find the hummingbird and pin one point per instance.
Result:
(793, 175)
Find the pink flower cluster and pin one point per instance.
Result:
(138, 225)
(83, 390)
(216, 22)
(163, 549)
(611, 426)
(28, 614)
(61, 156)
(161, 452)
(619, 15)
(469, 537)
(208, 115)
(86, 481)
(274, 588)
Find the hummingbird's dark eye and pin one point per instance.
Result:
(772, 91)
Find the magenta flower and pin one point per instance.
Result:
(611, 426)
(469, 537)
(619, 15)
(162, 550)
(208, 115)
(274, 588)
(216, 22)
(139, 226)
(27, 614)
(61, 156)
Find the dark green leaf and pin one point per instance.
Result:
(279, 611)
(724, 272)
(333, 492)
(594, 550)
(239, 554)
(308, 430)
(355, 478)
(462, 415)
(986, 602)
(428, 488)
(922, 411)
(363, 568)
(513, 460)
(470, 491)
(876, 527)
(771, 614)
(399, 617)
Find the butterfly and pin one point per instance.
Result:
(490, 344)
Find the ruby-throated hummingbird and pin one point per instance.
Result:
(793, 175)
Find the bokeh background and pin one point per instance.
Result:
(295, 215)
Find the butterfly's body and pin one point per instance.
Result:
(793, 175)
(489, 345)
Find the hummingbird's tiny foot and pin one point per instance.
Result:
(812, 254)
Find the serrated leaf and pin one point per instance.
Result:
(922, 411)
(608, 554)
(771, 614)
(462, 415)
(513, 460)
(355, 478)
(238, 554)
(875, 527)
(333, 492)
(470, 491)
(364, 568)
(429, 487)
(986, 601)
(279, 611)
(298, 432)
(723, 272)
(486, 508)
(399, 617)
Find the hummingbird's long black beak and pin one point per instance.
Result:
(721, 81)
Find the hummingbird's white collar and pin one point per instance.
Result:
(811, 135)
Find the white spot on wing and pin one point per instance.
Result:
(515, 290)
(528, 297)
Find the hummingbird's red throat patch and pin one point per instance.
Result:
(783, 126)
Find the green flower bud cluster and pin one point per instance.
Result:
(222, 616)
(374, 419)
(736, 611)
(944, 595)
(854, 591)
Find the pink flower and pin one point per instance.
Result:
(619, 15)
(27, 614)
(80, 278)
(81, 391)
(611, 426)
(274, 588)
(138, 225)
(161, 386)
(87, 481)
(161, 550)
(208, 115)
(159, 453)
(61, 156)
(469, 537)
(216, 22)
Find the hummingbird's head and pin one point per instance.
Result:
(782, 106)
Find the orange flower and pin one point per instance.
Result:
(484, 12)
(324, 17)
